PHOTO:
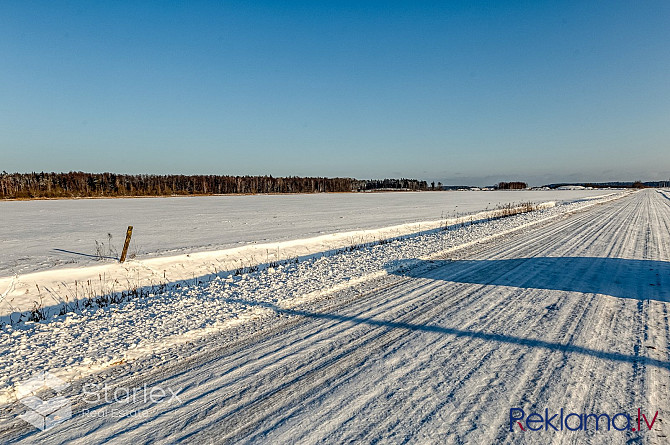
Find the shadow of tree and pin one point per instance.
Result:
(486, 336)
(616, 277)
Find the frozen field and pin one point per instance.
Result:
(38, 235)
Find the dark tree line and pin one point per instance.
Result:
(80, 184)
(515, 185)
(615, 184)
(390, 184)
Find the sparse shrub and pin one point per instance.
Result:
(105, 251)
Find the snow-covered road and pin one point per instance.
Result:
(568, 314)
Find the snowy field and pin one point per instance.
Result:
(39, 235)
(85, 276)
(431, 338)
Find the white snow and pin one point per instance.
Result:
(32, 231)
(57, 287)
(89, 339)
(250, 230)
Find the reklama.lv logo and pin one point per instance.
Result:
(560, 421)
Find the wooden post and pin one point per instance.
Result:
(129, 233)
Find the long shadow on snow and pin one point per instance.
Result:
(488, 336)
(616, 277)
(86, 254)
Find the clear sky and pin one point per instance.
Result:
(462, 92)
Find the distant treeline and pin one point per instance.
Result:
(80, 184)
(511, 185)
(390, 184)
(617, 184)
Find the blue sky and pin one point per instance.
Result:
(450, 91)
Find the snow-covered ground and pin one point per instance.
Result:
(53, 290)
(394, 340)
(430, 338)
(185, 224)
(39, 235)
